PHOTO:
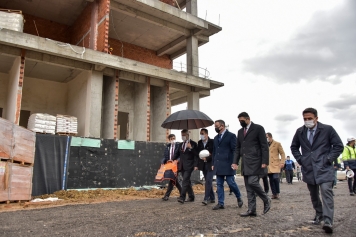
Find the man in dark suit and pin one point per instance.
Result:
(320, 145)
(223, 155)
(204, 164)
(169, 154)
(252, 149)
(188, 154)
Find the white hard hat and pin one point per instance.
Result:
(350, 174)
(204, 154)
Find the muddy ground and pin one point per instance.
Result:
(148, 215)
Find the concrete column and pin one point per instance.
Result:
(109, 110)
(192, 56)
(159, 113)
(14, 95)
(141, 121)
(193, 103)
(94, 99)
(192, 7)
(168, 108)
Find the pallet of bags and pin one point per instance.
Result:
(42, 123)
(6, 137)
(66, 124)
(12, 20)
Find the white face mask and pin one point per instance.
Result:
(267, 139)
(184, 138)
(173, 141)
(309, 123)
(202, 137)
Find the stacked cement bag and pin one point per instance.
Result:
(11, 21)
(42, 123)
(67, 124)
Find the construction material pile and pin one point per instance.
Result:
(42, 123)
(67, 124)
(12, 20)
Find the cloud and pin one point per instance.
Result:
(345, 102)
(286, 118)
(324, 49)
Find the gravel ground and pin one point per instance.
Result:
(289, 216)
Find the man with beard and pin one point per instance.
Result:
(252, 149)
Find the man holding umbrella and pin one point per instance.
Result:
(188, 155)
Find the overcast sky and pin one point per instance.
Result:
(277, 58)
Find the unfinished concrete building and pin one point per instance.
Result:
(107, 62)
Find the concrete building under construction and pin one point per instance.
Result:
(107, 62)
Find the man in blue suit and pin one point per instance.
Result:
(223, 155)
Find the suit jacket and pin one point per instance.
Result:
(277, 157)
(188, 158)
(316, 159)
(253, 150)
(223, 154)
(167, 151)
(209, 146)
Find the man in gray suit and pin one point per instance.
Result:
(252, 148)
(320, 145)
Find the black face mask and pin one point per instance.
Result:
(217, 130)
(243, 124)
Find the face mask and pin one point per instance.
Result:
(267, 139)
(202, 137)
(173, 141)
(243, 124)
(217, 130)
(309, 123)
(184, 138)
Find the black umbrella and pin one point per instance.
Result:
(187, 119)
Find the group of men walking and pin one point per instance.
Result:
(315, 146)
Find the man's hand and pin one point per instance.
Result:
(263, 166)
(189, 146)
(204, 159)
(281, 165)
(212, 168)
(234, 166)
(195, 168)
(347, 167)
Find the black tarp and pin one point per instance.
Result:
(109, 167)
(49, 164)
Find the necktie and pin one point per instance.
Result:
(183, 147)
(311, 136)
(172, 151)
(219, 137)
(245, 131)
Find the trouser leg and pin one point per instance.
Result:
(230, 179)
(354, 186)
(287, 176)
(349, 182)
(328, 201)
(315, 198)
(251, 196)
(254, 185)
(265, 184)
(186, 184)
(220, 189)
(272, 183)
(169, 188)
(209, 193)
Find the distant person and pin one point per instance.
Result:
(281, 175)
(223, 155)
(169, 154)
(299, 173)
(252, 149)
(349, 159)
(289, 168)
(277, 158)
(206, 143)
(188, 162)
(320, 145)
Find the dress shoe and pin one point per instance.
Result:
(181, 200)
(230, 193)
(328, 227)
(248, 213)
(165, 198)
(267, 206)
(205, 202)
(317, 220)
(352, 194)
(190, 200)
(218, 206)
(240, 202)
(274, 196)
(212, 201)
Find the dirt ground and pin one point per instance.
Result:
(143, 213)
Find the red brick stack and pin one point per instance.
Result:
(17, 153)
